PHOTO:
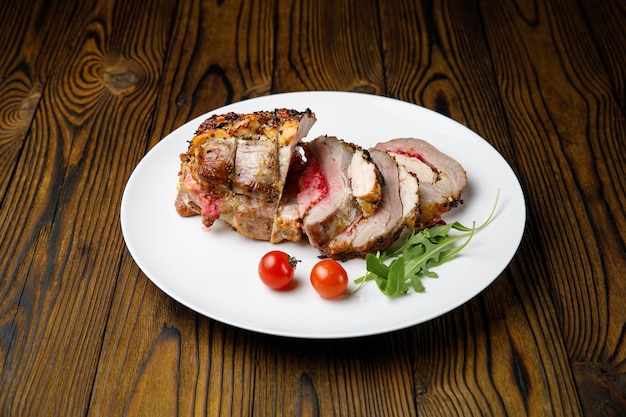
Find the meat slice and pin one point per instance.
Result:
(398, 207)
(441, 178)
(327, 205)
(383, 228)
(236, 166)
(365, 181)
(216, 160)
(409, 196)
(288, 223)
(256, 168)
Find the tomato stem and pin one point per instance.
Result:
(293, 261)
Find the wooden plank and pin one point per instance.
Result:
(605, 21)
(568, 102)
(479, 360)
(219, 54)
(66, 218)
(328, 45)
(155, 348)
(591, 65)
(22, 78)
(27, 188)
(20, 86)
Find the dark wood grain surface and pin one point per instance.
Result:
(88, 87)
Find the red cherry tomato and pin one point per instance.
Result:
(276, 269)
(329, 278)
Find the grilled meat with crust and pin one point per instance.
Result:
(236, 166)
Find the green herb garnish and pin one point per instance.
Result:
(416, 255)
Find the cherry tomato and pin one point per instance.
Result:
(329, 278)
(276, 269)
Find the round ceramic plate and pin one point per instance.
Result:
(214, 272)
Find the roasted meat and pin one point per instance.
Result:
(327, 202)
(236, 167)
(288, 222)
(397, 209)
(254, 172)
(441, 178)
(365, 181)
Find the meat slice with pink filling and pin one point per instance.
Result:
(441, 178)
(326, 202)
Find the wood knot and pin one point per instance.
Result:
(257, 90)
(120, 80)
(363, 88)
(29, 105)
(602, 389)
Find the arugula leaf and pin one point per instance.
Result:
(416, 255)
(396, 284)
(375, 265)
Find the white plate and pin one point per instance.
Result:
(215, 272)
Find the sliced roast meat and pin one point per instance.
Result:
(378, 231)
(256, 168)
(236, 166)
(251, 217)
(253, 172)
(192, 200)
(327, 206)
(383, 228)
(441, 178)
(365, 181)
(288, 223)
(410, 196)
(216, 162)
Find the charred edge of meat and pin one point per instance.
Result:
(269, 118)
(382, 244)
(453, 202)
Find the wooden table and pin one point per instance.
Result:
(88, 87)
